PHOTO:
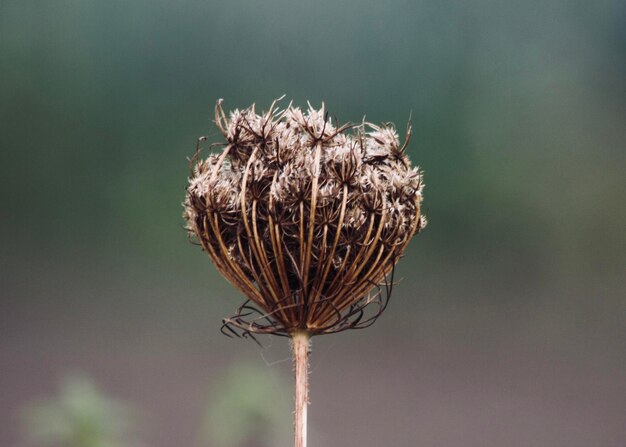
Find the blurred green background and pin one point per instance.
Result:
(508, 327)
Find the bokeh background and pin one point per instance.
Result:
(508, 327)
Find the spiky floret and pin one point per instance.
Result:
(306, 218)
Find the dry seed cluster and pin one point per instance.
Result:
(305, 218)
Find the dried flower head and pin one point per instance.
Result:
(305, 217)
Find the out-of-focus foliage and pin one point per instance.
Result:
(79, 416)
(518, 112)
(249, 406)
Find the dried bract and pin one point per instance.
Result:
(306, 218)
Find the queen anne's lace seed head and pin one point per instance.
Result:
(305, 217)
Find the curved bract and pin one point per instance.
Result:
(306, 218)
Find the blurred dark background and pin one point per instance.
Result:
(508, 327)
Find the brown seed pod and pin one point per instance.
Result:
(305, 218)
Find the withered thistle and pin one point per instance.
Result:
(307, 218)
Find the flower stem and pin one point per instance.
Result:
(300, 349)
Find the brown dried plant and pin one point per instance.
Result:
(305, 217)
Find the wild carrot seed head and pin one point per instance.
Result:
(305, 217)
